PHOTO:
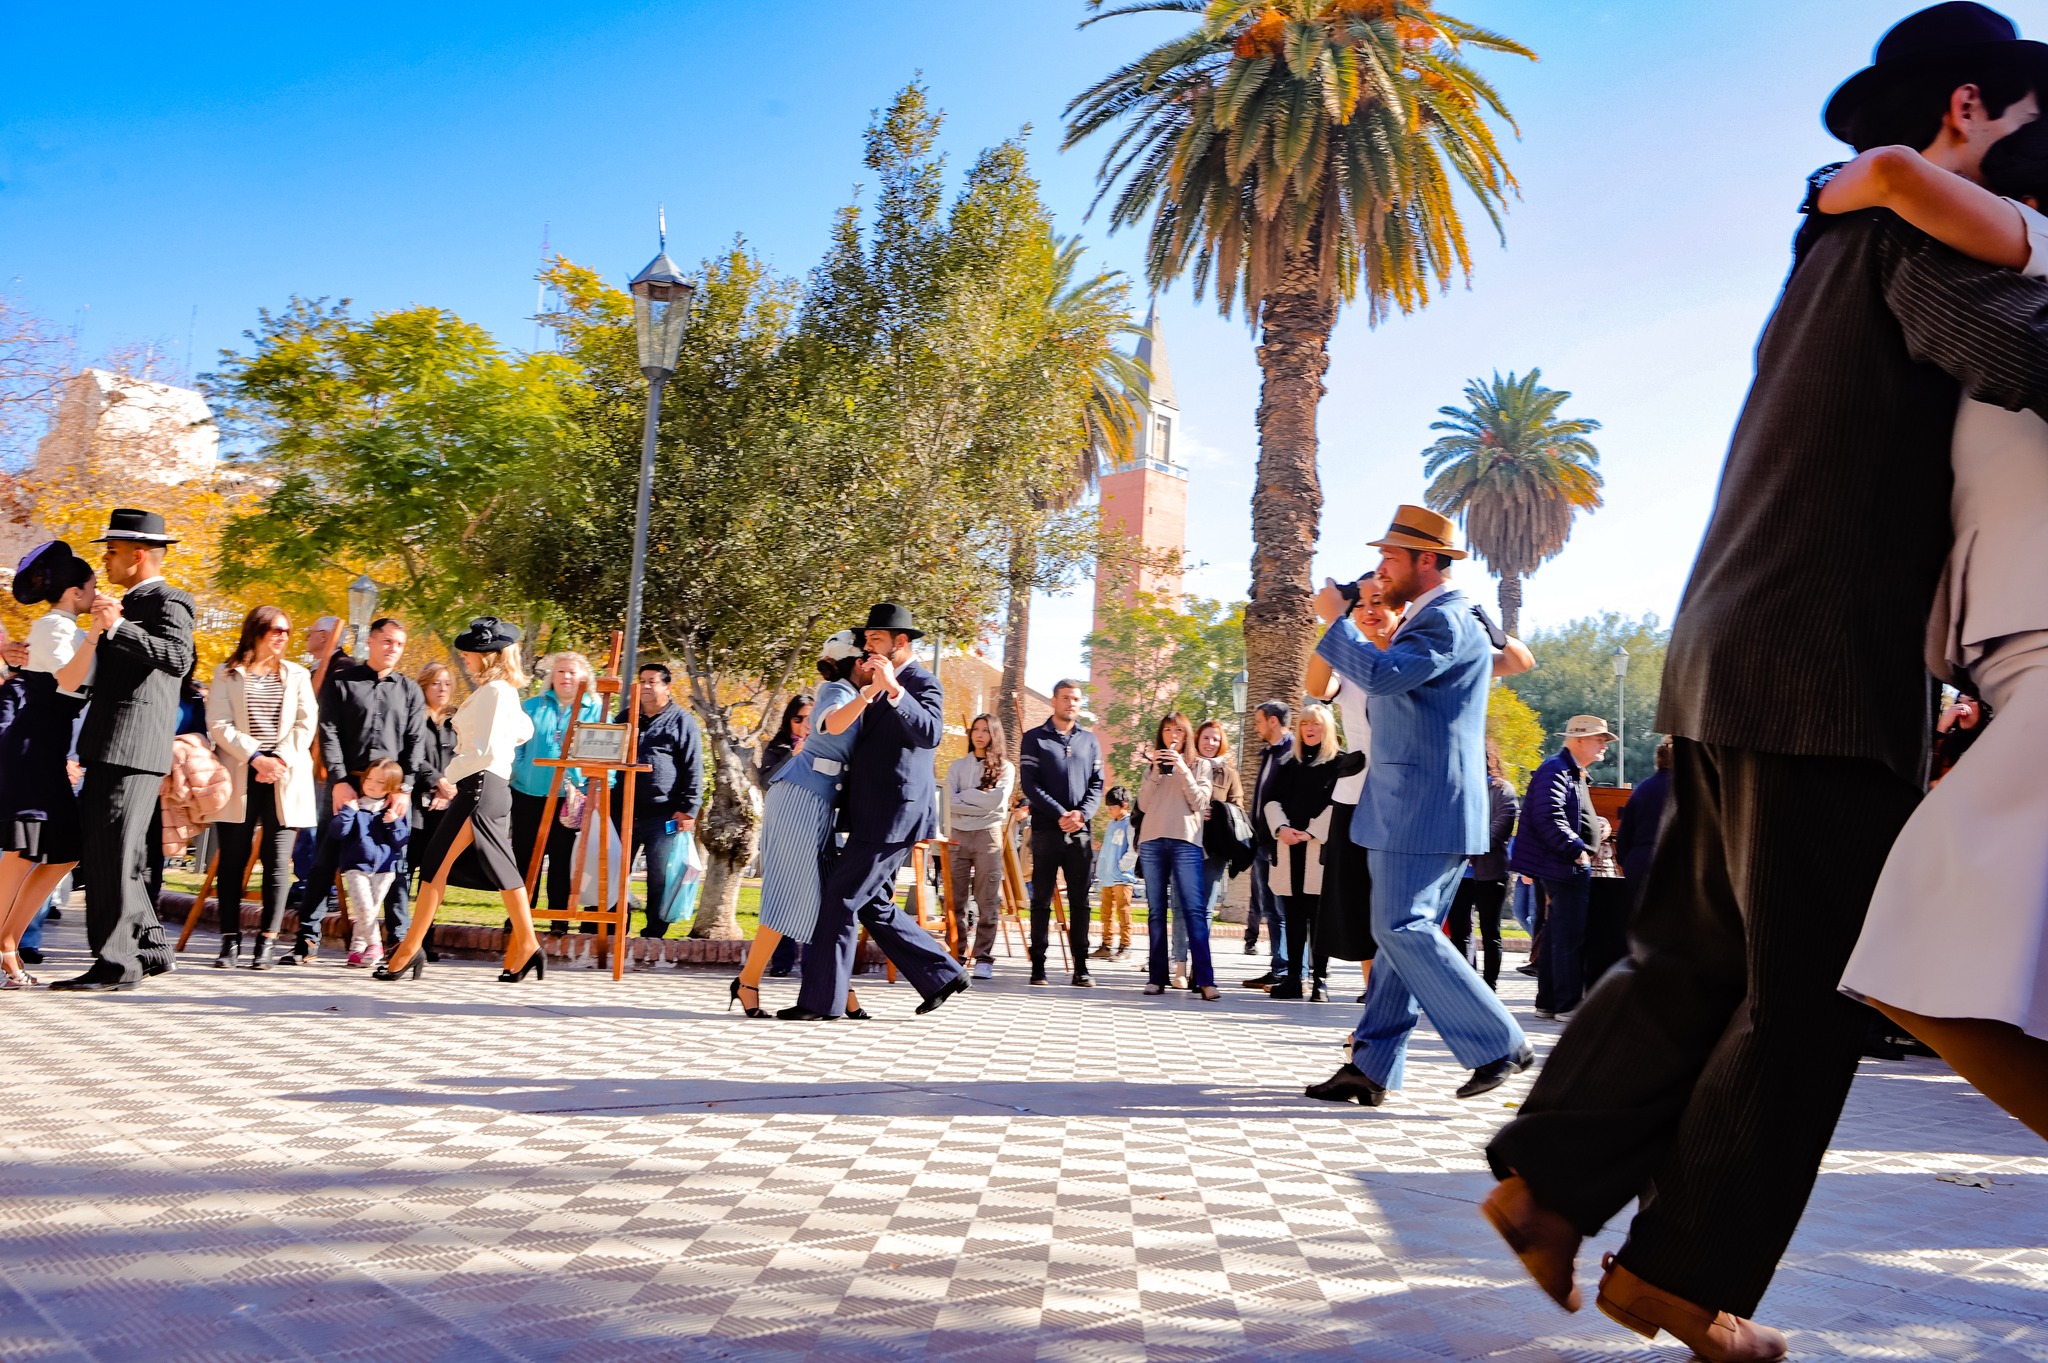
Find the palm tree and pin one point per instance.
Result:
(1514, 474)
(1298, 154)
(1081, 315)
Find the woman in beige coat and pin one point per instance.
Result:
(260, 713)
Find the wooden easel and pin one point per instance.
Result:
(615, 915)
(1016, 904)
(199, 900)
(922, 856)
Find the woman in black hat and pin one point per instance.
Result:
(39, 829)
(489, 728)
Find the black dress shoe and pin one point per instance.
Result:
(1286, 989)
(956, 985)
(1263, 981)
(101, 979)
(29, 955)
(858, 1015)
(1487, 1078)
(1346, 1084)
(799, 1013)
(1082, 980)
(1319, 994)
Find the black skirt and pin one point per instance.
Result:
(51, 841)
(1344, 919)
(483, 800)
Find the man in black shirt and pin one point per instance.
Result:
(1704, 1074)
(1060, 772)
(369, 711)
(666, 799)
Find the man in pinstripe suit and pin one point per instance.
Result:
(144, 650)
(1425, 808)
(1704, 1073)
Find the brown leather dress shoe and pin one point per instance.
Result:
(1715, 1336)
(1544, 1241)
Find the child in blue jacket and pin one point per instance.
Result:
(372, 852)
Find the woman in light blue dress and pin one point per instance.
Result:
(796, 823)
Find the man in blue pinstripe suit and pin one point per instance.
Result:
(1422, 813)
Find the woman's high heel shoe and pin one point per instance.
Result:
(536, 965)
(230, 948)
(414, 968)
(753, 1010)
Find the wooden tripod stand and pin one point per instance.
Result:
(597, 750)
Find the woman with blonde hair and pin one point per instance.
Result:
(1300, 807)
(489, 729)
(549, 713)
(261, 717)
(1174, 798)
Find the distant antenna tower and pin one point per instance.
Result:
(540, 289)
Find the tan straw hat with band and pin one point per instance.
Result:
(1417, 527)
(1587, 726)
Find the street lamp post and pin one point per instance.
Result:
(1620, 657)
(362, 608)
(1238, 686)
(661, 312)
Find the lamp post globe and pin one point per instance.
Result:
(362, 606)
(661, 313)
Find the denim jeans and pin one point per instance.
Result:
(1176, 882)
(1266, 907)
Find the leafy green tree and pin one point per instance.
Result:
(1513, 473)
(1574, 675)
(382, 444)
(1158, 658)
(856, 438)
(1518, 732)
(1298, 155)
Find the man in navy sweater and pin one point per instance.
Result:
(1556, 847)
(1060, 772)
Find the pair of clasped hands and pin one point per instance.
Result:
(876, 677)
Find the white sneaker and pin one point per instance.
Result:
(984, 970)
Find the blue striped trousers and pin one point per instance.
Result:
(1419, 971)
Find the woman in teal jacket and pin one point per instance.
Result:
(549, 712)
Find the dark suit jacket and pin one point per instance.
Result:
(890, 792)
(1261, 785)
(1801, 628)
(1641, 817)
(136, 673)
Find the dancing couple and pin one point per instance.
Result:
(865, 770)
(1705, 1073)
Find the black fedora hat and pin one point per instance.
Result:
(131, 523)
(487, 634)
(48, 571)
(1957, 31)
(892, 617)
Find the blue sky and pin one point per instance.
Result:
(223, 156)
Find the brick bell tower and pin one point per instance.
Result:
(1147, 496)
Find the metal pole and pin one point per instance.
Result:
(631, 658)
(1621, 731)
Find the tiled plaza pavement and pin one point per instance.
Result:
(310, 1165)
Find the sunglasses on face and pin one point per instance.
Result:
(279, 629)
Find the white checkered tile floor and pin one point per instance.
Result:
(309, 1165)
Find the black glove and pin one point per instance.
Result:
(1494, 632)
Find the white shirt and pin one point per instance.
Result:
(1415, 607)
(53, 640)
(489, 728)
(1350, 703)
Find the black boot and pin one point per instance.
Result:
(259, 952)
(230, 948)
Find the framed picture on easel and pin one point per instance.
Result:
(598, 743)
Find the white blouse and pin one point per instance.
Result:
(53, 640)
(1350, 701)
(489, 728)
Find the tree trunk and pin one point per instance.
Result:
(1016, 644)
(728, 829)
(1511, 603)
(1287, 496)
